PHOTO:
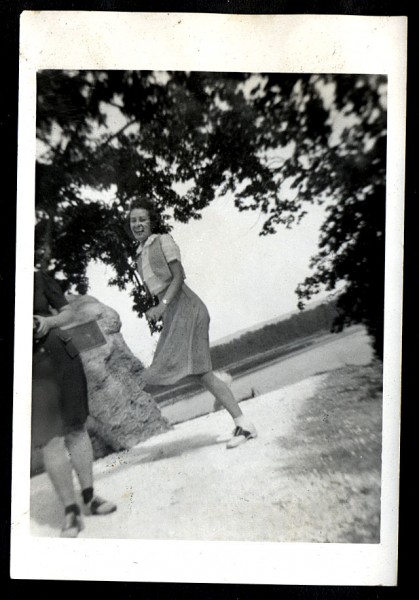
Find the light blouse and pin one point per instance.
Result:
(150, 277)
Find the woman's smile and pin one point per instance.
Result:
(140, 224)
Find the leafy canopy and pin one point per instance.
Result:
(275, 142)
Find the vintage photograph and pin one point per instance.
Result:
(208, 324)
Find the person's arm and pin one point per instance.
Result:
(156, 312)
(64, 316)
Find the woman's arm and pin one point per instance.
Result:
(156, 312)
(64, 316)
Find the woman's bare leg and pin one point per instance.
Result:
(222, 392)
(81, 455)
(245, 429)
(59, 470)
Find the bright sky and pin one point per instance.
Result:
(244, 279)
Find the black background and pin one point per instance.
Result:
(408, 531)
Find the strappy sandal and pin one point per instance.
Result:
(99, 506)
(72, 525)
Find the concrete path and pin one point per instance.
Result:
(184, 484)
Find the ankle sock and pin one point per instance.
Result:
(87, 494)
(72, 508)
(244, 423)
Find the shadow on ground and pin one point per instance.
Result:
(48, 511)
(173, 449)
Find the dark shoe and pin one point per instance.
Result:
(98, 506)
(72, 525)
(240, 436)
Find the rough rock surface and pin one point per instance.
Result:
(120, 414)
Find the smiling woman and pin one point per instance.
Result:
(254, 286)
(140, 224)
(183, 349)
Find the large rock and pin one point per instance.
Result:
(121, 415)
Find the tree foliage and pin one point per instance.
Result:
(274, 336)
(275, 142)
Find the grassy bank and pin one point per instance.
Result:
(336, 449)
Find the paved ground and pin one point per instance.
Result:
(191, 510)
(185, 485)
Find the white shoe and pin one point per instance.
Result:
(240, 436)
(72, 525)
(99, 506)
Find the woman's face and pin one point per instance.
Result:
(140, 224)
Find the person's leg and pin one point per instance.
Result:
(244, 428)
(58, 468)
(80, 449)
(222, 393)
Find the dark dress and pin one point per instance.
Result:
(59, 386)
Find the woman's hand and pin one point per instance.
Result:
(43, 326)
(155, 313)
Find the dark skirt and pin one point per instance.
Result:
(59, 388)
(183, 348)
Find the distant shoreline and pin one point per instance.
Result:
(236, 334)
(187, 390)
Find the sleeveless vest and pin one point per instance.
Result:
(158, 264)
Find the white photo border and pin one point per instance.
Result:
(210, 42)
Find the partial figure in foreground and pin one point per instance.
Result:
(60, 407)
(183, 348)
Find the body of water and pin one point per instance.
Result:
(351, 347)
